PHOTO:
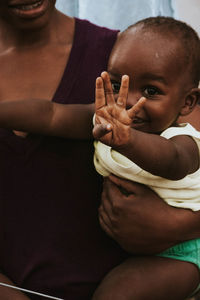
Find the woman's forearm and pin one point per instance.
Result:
(49, 118)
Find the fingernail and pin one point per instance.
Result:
(125, 76)
(142, 98)
(104, 72)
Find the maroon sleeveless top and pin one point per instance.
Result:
(51, 241)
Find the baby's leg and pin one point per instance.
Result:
(149, 278)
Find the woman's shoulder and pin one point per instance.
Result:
(93, 30)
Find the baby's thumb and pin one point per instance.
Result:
(100, 130)
(137, 107)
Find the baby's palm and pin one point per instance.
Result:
(113, 120)
(117, 117)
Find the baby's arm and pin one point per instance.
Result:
(48, 118)
(169, 158)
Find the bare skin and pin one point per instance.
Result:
(7, 293)
(152, 278)
(144, 148)
(43, 55)
(145, 274)
(121, 218)
(41, 72)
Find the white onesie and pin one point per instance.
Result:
(184, 193)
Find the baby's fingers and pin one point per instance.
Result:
(123, 93)
(136, 108)
(110, 100)
(100, 130)
(100, 100)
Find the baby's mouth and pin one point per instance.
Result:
(138, 120)
(140, 123)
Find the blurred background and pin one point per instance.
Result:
(119, 14)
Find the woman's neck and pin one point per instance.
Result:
(59, 29)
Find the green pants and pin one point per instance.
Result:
(186, 251)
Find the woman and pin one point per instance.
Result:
(51, 241)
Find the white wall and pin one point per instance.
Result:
(189, 12)
(96, 10)
(115, 14)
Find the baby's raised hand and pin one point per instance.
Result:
(112, 119)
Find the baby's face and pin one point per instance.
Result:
(156, 71)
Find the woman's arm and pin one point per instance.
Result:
(48, 118)
(142, 222)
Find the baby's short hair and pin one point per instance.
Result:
(183, 33)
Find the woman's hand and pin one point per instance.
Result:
(140, 221)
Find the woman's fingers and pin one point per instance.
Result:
(129, 186)
(105, 222)
(105, 210)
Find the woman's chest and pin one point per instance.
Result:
(31, 75)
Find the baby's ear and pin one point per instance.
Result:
(191, 100)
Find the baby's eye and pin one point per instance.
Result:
(151, 91)
(115, 87)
